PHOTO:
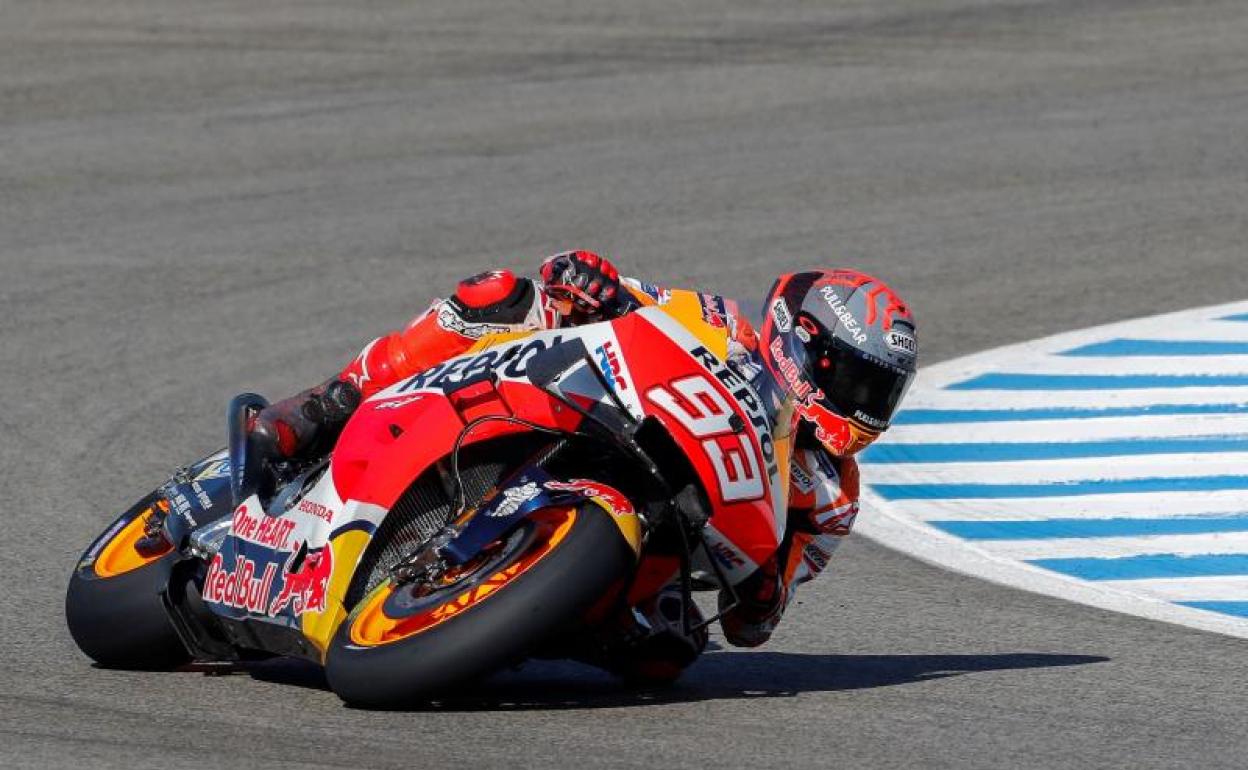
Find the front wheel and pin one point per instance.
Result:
(405, 643)
(113, 605)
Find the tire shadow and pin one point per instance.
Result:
(725, 675)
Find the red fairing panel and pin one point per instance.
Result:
(390, 441)
(723, 441)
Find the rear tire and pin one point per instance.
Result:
(503, 627)
(119, 620)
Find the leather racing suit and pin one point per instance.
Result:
(823, 499)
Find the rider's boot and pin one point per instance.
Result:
(299, 426)
(761, 599)
(650, 644)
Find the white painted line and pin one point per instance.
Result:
(925, 396)
(1134, 505)
(1198, 589)
(1069, 430)
(1116, 547)
(1226, 364)
(1060, 471)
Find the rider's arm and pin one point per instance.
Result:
(822, 507)
(822, 510)
(490, 303)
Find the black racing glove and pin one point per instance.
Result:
(590, 282)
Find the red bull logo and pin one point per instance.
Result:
(792, 373)
(240, 587)
(305, 589)
(618, 503)
(831, 429)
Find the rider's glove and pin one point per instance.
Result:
(333, 405)
(589, 282)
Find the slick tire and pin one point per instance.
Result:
(118, 620)
(507, 625)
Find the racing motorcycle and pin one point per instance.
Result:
(498, 506)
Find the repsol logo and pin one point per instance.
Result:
(508, 360)
(748, 398)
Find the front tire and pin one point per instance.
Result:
(568, 559)
(113, 606)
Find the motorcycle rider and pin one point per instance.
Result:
(837, 347)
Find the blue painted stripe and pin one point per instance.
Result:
(1026, 381)
(1079, 528)
(1132, 347)
(1238, 609)
(1161, 565)
(955, 416)
(1011, 451)
(1058, 489)
(1240, 317)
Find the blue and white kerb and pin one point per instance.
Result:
(1107, 466)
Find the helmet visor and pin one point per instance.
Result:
(859, 387)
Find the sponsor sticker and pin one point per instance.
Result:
(726, 556)
(901, 342)
(781, 315)
(269, 531)
(843, 314)
(714, 310)
(323, 512)
(513, 498)
(305, 589)
(398, 403)
(792, 373)
(609, 363)
(510, 360)
(450, 320)
(616, 502)
(800, 478)
(217, 469)
(239, 587)
(659, 295)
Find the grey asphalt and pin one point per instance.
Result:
(199, 198)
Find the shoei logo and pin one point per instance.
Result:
(847, 318)
(901, 342)
(781, 315)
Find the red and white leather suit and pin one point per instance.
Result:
(823, 500)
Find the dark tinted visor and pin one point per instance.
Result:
(861, 388)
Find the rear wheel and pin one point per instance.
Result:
(113, 605)
(408, 642)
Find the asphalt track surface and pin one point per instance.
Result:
(200, 198)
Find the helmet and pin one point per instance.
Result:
(841, 345)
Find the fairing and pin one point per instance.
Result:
(291, 569)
